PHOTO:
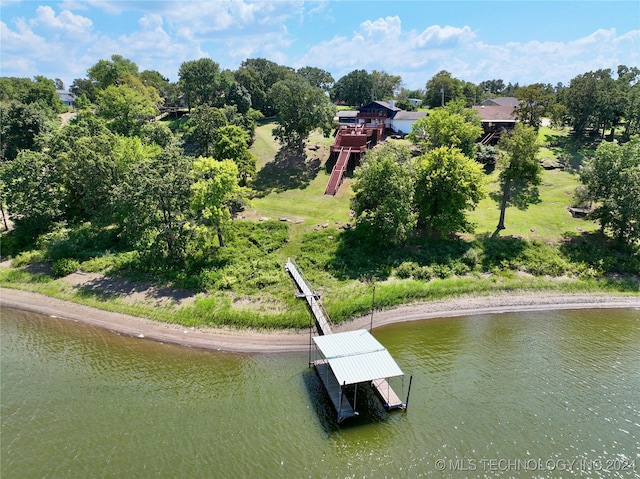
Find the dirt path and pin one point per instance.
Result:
(287, 341)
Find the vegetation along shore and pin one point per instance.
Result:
(180, 202)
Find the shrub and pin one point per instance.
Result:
(27, 257)
(407, 269)
(65, 266)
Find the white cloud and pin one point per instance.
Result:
(438, 36)
(66, 24)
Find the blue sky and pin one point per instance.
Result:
(516, 41)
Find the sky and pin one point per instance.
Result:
(516, 41)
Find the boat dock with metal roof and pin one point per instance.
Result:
(348, 359)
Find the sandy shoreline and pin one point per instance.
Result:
(267, 342)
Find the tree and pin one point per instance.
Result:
(215, 184)
(593, 102)
(112, 72)
(200, 82)
(383, 195)
(301, 109)
(452, 126)
(448, 184)
(612, 180)
(442, 88)
(127, 107)
(535, 102)
(205, 121)
(385, 86)
(84, 86)
(317, 77)
(257, 76)
(153, 204)
(21, 126)
(32, 189)
(492, 87)
(231, 143)
(518, 166)
(355, 88)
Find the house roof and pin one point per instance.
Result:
(495, 113)
(380, 103)
(357, 357)
(410, 115)
(502, 101)
(347, 114)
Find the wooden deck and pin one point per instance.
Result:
(342, 405)
(390, 399)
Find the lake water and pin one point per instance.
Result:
(545, 394)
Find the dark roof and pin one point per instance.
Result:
(502, 101)
(496, 113)
(378, 104)
(410, 115)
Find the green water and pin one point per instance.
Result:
(551, 394)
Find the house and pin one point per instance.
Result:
(502, 101)
(381, 113)
(66, 97)
(495, 120)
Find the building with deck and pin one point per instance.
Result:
(361, 130)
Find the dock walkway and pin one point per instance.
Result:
(320, 315)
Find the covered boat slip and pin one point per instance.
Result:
(355, 357)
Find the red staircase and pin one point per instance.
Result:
(338, 171)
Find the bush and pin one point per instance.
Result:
(27, 257)
(65, 266)
(407, 269)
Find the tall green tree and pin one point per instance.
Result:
(385, 86)
(215, 185)
(301, 109)
(200, 81)
(593, 102)
(448, 185)
(383, 195)
(257, 76)
(22, 125)
(535, 102)
(126, 108)
(442, 88)
(612, 180)
(451, 126)
(355, 88)
(519, 167)
(33, 192)
(205, 120)
(231, 143)
(112, 72)
(153, 205)
(317, 77)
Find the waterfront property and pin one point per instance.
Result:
(346, 360)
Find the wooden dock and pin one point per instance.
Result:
(388, 396)
(340, 403)
(320, 315)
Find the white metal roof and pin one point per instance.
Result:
(356, 357)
